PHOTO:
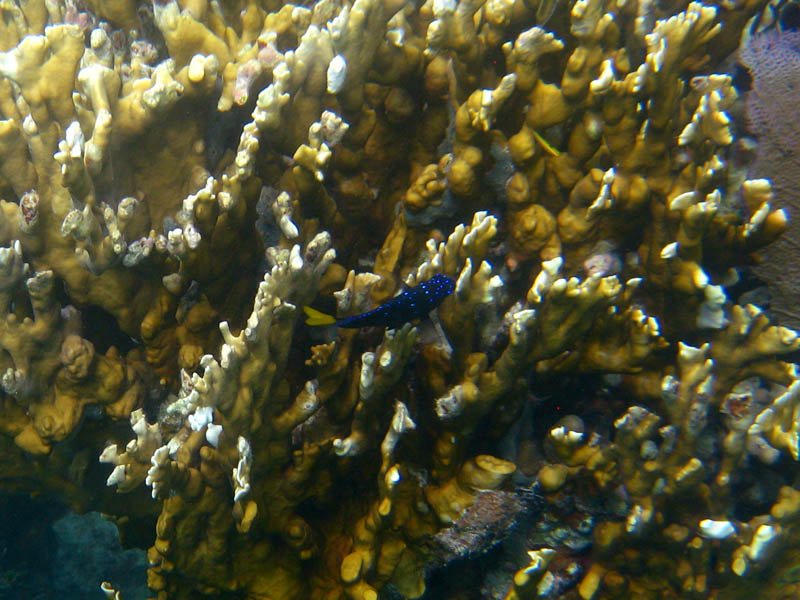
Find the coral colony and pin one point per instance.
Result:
(602, 384)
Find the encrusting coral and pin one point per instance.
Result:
(773, 63)
(193, 173)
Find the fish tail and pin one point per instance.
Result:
(315, 317)
(544, 143)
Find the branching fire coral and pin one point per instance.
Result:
(192, 173)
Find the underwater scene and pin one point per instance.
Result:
(398, 299)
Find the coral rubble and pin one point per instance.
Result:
(193, 173)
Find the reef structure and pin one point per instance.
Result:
(196, 172)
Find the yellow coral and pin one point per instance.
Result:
(197, 190)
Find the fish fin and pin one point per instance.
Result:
(543, 142)
(315, 317)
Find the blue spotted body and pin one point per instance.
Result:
(414, 303)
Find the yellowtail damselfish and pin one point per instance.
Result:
(414, 303)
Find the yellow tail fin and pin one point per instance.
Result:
(315, 317)
(545, 144)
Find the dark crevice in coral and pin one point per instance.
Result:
(97, 325)
(101, 328)
(223, 127)
(755, 489)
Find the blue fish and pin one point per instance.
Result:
(414, 303)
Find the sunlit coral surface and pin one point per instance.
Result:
(599, 410)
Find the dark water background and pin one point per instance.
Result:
(49, 553)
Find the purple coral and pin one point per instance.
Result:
(481, 526)
(29, 209)
(602, 261)
(773, 59)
